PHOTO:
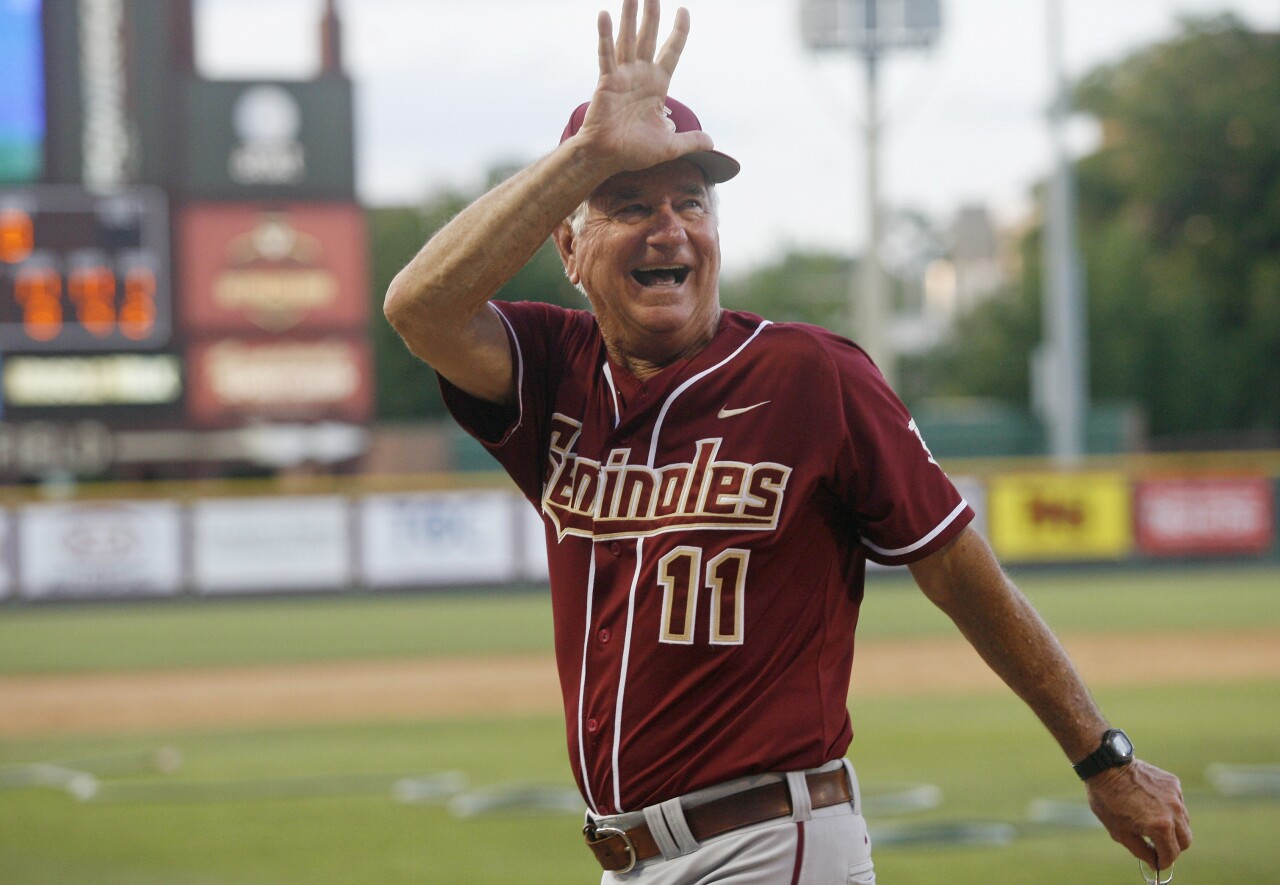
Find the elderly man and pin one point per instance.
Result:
(712, 485)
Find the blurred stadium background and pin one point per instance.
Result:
(266, 616)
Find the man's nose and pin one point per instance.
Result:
(666, 226)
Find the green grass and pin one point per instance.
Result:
(199, 633)
(195, 633)
(987, 753)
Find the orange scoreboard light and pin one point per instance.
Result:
(83, 271)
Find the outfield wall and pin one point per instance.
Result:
(322, 537)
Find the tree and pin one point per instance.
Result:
(807, 287)
(1180, 218)
(1180, 231)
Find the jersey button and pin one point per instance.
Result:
(593, 725)
(615, 548)
(604, 635)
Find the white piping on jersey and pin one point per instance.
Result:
(910, 548)
(635, 577)
(511, 332)
(662, 415)
(613, 391)
(582, 684)
(622, 678)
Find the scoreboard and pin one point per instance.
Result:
(82, 271)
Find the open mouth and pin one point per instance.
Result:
(660, 276)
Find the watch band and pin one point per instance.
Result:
(1115, 750)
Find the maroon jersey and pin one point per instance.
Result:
(707, 531)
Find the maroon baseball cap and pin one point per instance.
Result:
(719, 167)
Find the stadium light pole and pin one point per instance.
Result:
(1060, 371)
(870, 28)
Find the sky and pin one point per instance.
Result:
(446, 89)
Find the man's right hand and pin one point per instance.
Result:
(625, 126)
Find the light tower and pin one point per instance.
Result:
(1060, 369)
(871, 28)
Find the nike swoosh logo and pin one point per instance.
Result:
(727, 412)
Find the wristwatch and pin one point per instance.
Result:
(1116, 750)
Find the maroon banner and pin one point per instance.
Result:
(296, 379)
(247, 268)
(1204, 515)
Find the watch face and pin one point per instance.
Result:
(1121, 745)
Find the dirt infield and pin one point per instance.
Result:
(504, 686)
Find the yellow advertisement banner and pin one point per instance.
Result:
(1069, 516)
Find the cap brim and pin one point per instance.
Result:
(719, 167)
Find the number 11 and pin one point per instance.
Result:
(679, 574)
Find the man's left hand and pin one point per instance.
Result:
(1141, 806)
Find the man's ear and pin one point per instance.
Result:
(563, 235)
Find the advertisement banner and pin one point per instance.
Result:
(1060, 516)
(439, 538)
(275, 140)
(248, 545)
(249, 269)
(1201, 515)
(534, 565)
(6, 554)
(305, 379)
(974, 491)
(100, 549)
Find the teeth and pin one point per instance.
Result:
(660, 275)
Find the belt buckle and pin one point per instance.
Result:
(595, 834)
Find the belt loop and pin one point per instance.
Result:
(853, 786)
(678, 827)
(658, 829)
(801, 802)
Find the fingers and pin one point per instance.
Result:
(641, 45)
(1165, 848)
(691, 142)
(1143, 809)
(674, 46)
(626, 48)
(604, 30)
(648, 42)
(1141, 849)
(1182, 828)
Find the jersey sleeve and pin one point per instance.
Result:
(903, 503)
(513, 434)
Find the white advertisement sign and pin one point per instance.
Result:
(246, 545)
(6, 554)
(972, 489)
(439, 538)
(109, 548)
(533, 566)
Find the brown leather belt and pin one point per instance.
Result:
(619, 850)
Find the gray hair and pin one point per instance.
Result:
(577, 219)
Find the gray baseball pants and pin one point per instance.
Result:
(815, 846)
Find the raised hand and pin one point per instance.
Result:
(626, 123)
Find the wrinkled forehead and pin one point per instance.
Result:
(678, 177)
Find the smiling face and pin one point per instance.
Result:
(648, 256)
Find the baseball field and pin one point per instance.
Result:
(415, 738)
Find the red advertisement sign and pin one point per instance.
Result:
(296, 379)
(1177, 517)
(248, 268)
